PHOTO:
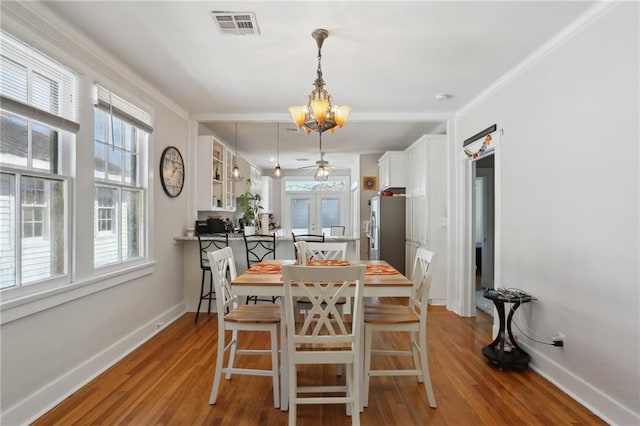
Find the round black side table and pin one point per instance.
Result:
(495, 352)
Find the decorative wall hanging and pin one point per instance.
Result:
(475, 147)
(369, 183)
(483, 148)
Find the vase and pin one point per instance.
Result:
(249, 230)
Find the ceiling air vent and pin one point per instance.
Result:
(238, 23)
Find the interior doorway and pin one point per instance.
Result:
(484, 229)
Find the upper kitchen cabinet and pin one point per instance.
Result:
(214, 189)
(393, 170)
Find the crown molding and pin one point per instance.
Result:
(51, 29)
(580, 23)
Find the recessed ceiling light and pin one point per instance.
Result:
(442, 96)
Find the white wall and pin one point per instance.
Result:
(570, 208)
(47, 354)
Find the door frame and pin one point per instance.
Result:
(461, 294)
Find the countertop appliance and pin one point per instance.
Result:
(387, 229)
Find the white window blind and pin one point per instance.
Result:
(36, 87)
(117, 106)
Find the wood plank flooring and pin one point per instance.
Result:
(167, 381)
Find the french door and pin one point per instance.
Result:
(315, 213)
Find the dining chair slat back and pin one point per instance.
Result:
(323, 336)
(326, 251)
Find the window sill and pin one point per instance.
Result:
(20, 307)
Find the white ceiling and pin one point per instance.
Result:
(386, 59)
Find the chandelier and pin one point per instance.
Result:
(319, 114)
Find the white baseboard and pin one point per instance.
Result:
(438, 302)
(592, 398)
(38, 403)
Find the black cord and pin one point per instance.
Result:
(530, 338)
(513, 295)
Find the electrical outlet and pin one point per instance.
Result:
(559, 340)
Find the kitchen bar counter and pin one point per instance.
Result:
(192, 273)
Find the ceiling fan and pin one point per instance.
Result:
(321, 166)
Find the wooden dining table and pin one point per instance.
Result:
(265, 279)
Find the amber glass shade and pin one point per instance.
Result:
(298, 115)
(319, 108)
(341, 114)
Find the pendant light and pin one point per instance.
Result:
(236, 176)
(278, 173)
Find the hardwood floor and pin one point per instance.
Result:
(168, 380)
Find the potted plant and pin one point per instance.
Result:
(249, 204)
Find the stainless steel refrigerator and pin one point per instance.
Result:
(387, 228)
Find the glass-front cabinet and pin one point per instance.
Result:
(214, 188)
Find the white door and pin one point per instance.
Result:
(315, 213)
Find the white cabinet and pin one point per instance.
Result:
(392, 170)
(417, 177)
(266, 191)
(214, 189)
(427, 206)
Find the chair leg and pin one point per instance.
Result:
(368, 334)
(211, 292)
(425, 368)
(353, 387)
(415, 351)
(232, 351)
(293, 391)
(201, 293)
(274, 366)
(339, 366)
(218, 373)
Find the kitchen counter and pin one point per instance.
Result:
(192, 274)
(239, 237)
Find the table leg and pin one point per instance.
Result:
(284, 360)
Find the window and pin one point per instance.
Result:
(121, 133)
(37, 129)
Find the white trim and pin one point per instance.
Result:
(353, 117)
(13, 309)
(35, 405)
(39, 20)
(571, 30)
(599, 403)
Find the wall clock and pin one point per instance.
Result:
(369, 183)
(172, 171)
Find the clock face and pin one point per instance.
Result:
(172, 171)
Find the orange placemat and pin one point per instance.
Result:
(265, 268)
(333, 262)
(381, 270)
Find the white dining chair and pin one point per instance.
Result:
(240, 317)
(312, 250)
(411, 318)
(309, 250)
(323, 336)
